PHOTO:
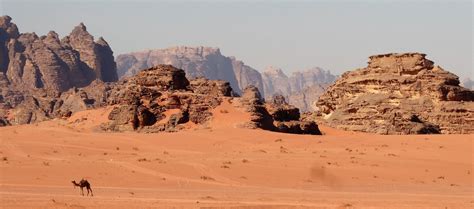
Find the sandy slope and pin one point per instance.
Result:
(220, 165)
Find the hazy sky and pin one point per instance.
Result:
(335, 35)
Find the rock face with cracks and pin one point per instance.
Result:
(161, 98)
(301, 88)
(40, 75)
(143, 101)
(399, 94)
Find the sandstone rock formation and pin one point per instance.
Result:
(247, 76)
(161, 98)
(35, 71)
(399, 94)
(143, 100)
(301, 89)
(56, 65)
(276, 115)
(195, 61)
(275, 81)
(40, 106)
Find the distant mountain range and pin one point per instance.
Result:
(301, 88)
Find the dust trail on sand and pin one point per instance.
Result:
(319, 173)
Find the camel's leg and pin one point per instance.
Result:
(92, 194)
(82, 191)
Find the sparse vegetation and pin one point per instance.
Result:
(347, 206)
(160, 161)
(207, 178)
(143, 160)
(224, 111)
(283, 149)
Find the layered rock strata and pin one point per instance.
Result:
(399, 94)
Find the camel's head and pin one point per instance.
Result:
(74, 183)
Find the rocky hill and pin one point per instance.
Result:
(196, 61)
(36, 72)
(301, 88)
(399, 94)
(142, 103)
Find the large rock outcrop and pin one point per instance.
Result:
(38, 70)
(399, 94)
(247, 76)
(161, 98)
(301, 89)
(46, 62)
(195, 61)
(276, 115)
(143, 101)
(40, 106)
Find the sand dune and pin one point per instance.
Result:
(222, 166)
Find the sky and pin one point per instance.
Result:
(293, 35)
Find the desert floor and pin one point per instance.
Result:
(223, 166)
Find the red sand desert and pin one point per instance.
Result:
(223, 166)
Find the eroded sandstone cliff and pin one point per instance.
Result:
(195, 61)
(38, 74)
(302, 88)
(399, 94)
(142, 103)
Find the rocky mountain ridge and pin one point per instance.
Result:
(39, 75)
(300, 89)
(196, 61)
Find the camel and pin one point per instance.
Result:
(83, 183)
